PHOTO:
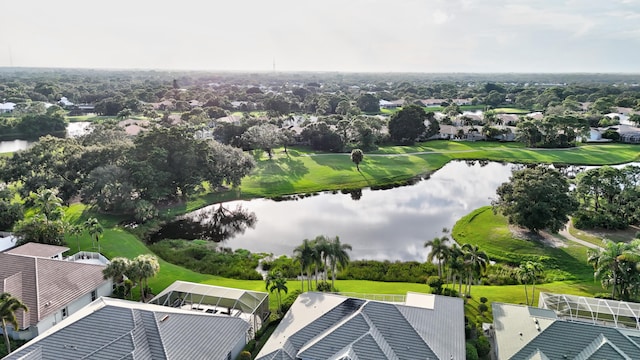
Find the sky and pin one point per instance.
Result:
(325, 35)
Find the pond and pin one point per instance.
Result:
(388, 224)
(74, 129)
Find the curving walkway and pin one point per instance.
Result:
(565, 233)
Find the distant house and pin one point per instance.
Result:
(433, 102)
(134, 127)
(327, 326)
(7, 107)
(525, 332)
(64, 102)
(52, 288)
(120, 329)
(391, 104)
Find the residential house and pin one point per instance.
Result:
(329, 326)
(7, 107)
(52, 288)
(525, 332)
(433, 102)
(391, 104)
(120, 329)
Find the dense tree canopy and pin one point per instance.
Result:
(406, 125)
(536, 198)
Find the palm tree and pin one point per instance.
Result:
(75, 230)
(276, 281)
(338, 257)
(116, 269)
(95, 230)
(476, 261)
(143, 267)
(304, 254)
(47, 203)
(607, 263)
(455, 263)
(9, 305)
(529, 272)
(439, 251)
(320, 254)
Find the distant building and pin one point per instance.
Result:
(7, 107)
(327, 326)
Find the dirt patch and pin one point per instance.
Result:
(542, 237)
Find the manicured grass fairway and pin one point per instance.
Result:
(302, 171)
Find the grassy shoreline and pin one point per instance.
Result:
(302, 171)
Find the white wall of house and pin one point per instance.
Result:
(45, 324)
(238, 348)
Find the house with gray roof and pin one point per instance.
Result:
(329, 326)
(50, 287)
(524, 332)
(120, 329)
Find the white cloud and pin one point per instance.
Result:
(440, 17)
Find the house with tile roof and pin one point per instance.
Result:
(329, 326)
(120, 329)
(51, 287)
(525, 332)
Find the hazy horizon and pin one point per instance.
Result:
(406, 36)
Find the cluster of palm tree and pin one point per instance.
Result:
(275, 281)
(328, 253)
(617, 265)
(9, 306)
(140, 269)
(466, 263)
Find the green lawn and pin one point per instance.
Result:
(510, 110)
(302, 171)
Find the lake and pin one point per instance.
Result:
(74, 129)
(388, 224)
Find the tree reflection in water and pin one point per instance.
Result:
(217, 224)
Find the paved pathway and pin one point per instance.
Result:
(565, 232)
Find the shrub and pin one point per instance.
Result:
(483, 346)
(435, 283)
(484, 300)
(482, 308)
(245, 355)
(323, 286)
(288, 301)
(450, 292)
(472, 352)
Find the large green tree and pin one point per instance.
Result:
(406, 125)
(536, 198)
(439, 250)
(263, 136)
(338, 257)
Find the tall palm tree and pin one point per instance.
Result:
(455, 262)
(607, 263)
(144, 266)
(275, 281)
(319, 244)
(476, 261)
(95, 230)
(47, 203)
(117, 269)
(75, 230)
(439, 251)
(338, 257)
(529, 272)
(304, 254)
(9, 305)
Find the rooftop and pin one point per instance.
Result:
(329, 326)
(38, 250)
(119, 329)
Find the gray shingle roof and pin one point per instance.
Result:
(118, 329)
(38, 250)
(361, 329)
(574, 340)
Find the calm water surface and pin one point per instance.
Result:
(383, 224)
(74, 129)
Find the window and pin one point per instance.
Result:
(94, 295)
(65, 312)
